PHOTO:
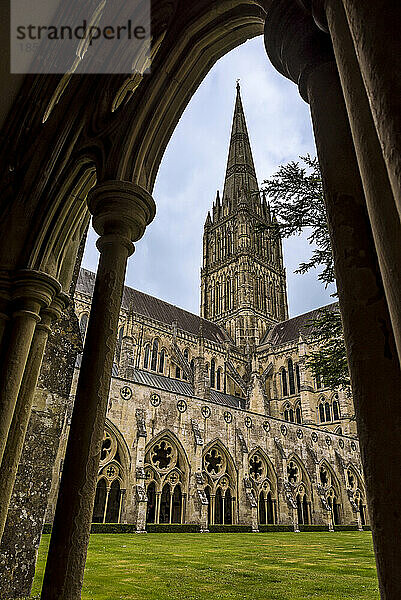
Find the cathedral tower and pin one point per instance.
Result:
(243, 283)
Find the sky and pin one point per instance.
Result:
(167, 260)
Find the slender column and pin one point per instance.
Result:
(106, 504)
(158, 497)
(375, 28)
(224, 509)
(382, 209)
(369, 339)
(170, 508)
(212, 511)
(120, 507)
(32, 290)
(22, 412)
(121, 210)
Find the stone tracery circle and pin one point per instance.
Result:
(214, 462)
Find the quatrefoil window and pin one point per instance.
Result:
(162, 455)
(214, 462)
(256, 467)
(292, 472)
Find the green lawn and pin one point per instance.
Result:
(232, 566)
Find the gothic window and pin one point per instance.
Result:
(212, 373)
(146, 357)
(218, 379)
(284, 387)
(186, 356)
(336, 409)
(151, 506)
(165, 482)
(162, 360)
(177, 372)
(83, 324)
(321, 413)
(192, 364)
(298, 414)
(108, 498)
(291, 376)
(297, 378)
(318, 382)
(327, 411)
(291, 415)
(287, 412)
(155, 351)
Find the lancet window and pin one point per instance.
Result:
(330, 487)
(301, 491)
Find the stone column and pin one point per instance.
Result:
(375, 32)
(22, 412)
(121, 210)
(31, 291)
(368, 333)
(381, 205)
(303, 53)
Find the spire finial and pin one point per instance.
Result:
(238, 85)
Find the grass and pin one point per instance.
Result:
(272, 566)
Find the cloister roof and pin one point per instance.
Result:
(151, 307)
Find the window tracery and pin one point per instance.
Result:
(109, 489)
(220, 484)
(166, 482)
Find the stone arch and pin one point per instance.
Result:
(211, 475)
(170, 436)
(301, 476)
(220, 478)
(167, 473)
(112, 477)
(267, 481)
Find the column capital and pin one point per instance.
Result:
(53, 312)
(36, 286)
(294, 43)
(121, 208)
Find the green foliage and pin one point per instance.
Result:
(296, 197)
(246, 566)
(329, 362)
(230, 528)
(173, 528)
(275, 528)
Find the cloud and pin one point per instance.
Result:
(167, 260)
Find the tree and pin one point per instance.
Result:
(329, 361)
(297, 199)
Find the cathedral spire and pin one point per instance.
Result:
(240, 172)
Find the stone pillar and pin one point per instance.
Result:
(368, 333)
(303, 53)
(22, 412)
(381, 205)
(31, 291)
(121, 210)
(375, 32)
